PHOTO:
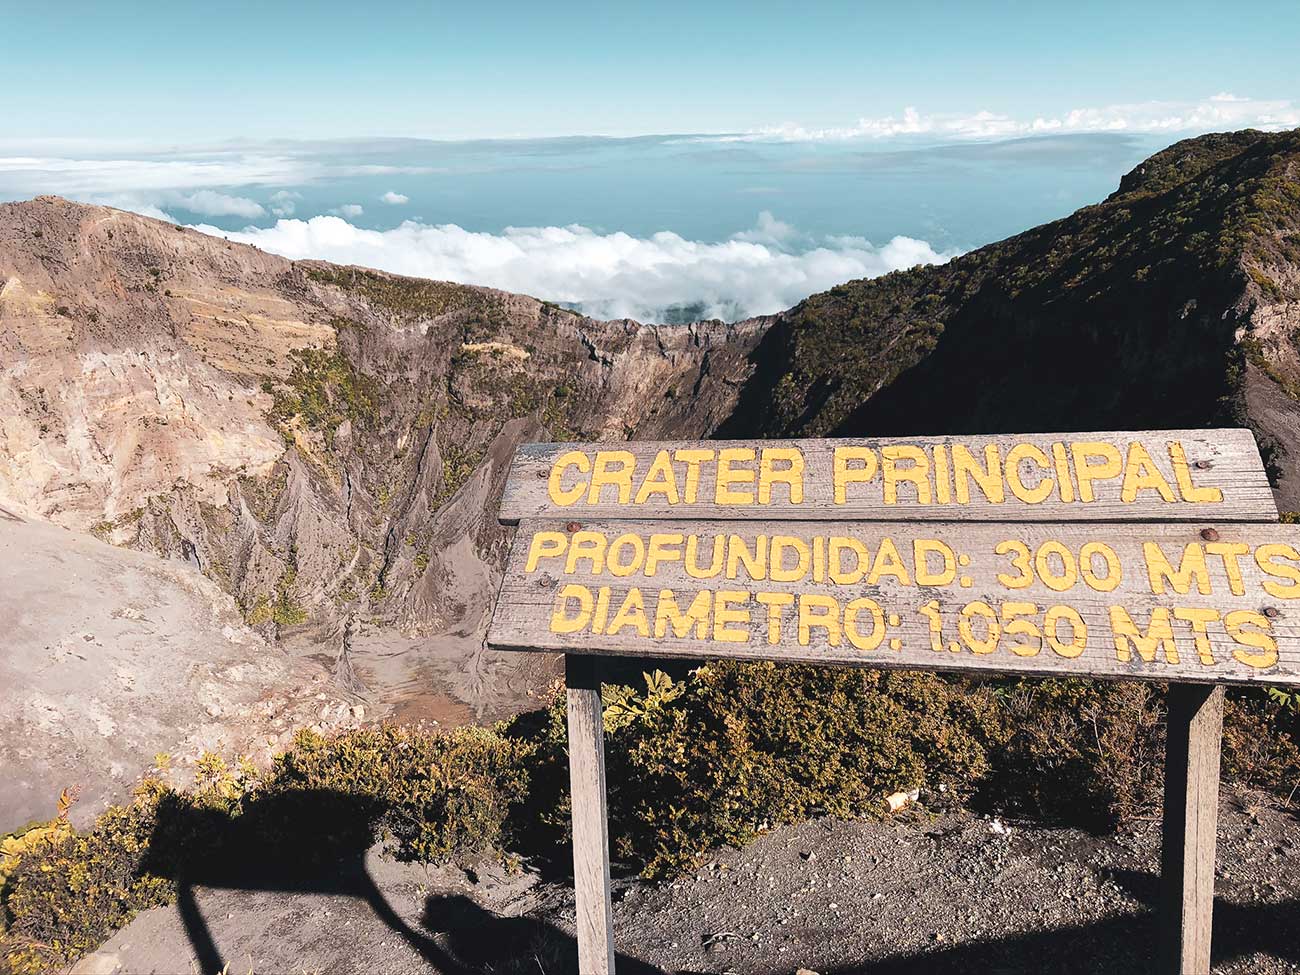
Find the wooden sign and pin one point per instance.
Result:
(1161, 602)
(1170, 475)
(1103, 554)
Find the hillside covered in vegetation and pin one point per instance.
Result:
(1174, 302)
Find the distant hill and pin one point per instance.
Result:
(1175, 302)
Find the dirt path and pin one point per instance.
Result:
(954, 893)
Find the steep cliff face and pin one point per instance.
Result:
(326, 443)
(1174, 302)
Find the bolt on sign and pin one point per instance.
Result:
(1153, 555)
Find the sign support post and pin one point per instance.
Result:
(593, 918)
(1191, 818)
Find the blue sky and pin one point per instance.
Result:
(187, 71)
(661, 161)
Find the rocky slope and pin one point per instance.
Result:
(112, 657)
(325, 443)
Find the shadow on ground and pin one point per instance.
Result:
(324, 853)
(315, 842)
(1121, 945)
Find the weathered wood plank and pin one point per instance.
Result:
(1168, 475)
(1162, 602)
(1191, 818)
(594, 919)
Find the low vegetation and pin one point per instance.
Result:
(714, 757)
(323, 390)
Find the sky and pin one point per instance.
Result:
(658, 160)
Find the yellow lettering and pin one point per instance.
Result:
(586, 545)
(667, 614)
(1230, 553)
(1127, 634)
(1062, 462)
(888, 563)
(693, 459)
(1199, 620)
(1189, 491)
(918, 472)
(1141, 474)
(612, 468)
(659, 480)
(664, 547)
(630, 614)
(779, 571)
(545, 545)
(755, 561)
(777, 603)
(922, 549)
(1107, 465)
(1043, 489)
(791, 475)
(614, 562)
(724, 615)
(693, 568)
(561, 619)
(555, 485)
(863, 460)
(870, 640)
(1264, 558)
(965, 468)
(826, 617)
(1252, 629)
(1160, 572)
(862, 560)
(727, 475)
(601, 615)
(942, 491)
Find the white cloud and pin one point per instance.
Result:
(213, 204)
(1217, 112)
(768, 230)
(611, 275)
(350, 210)
(394, 198)
(283, 202)
(28, 175)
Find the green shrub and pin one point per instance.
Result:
(1261, 740)
(737, 748)
(431, 797)
(73, 891)
(1084, 752)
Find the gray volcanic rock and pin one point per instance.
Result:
(326, 444)
(111, 657)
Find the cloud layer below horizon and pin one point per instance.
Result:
(662, 277)
(1218, 112)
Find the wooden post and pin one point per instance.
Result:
(1190, 824)
(594, 921)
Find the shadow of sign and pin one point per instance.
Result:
(315, 842)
